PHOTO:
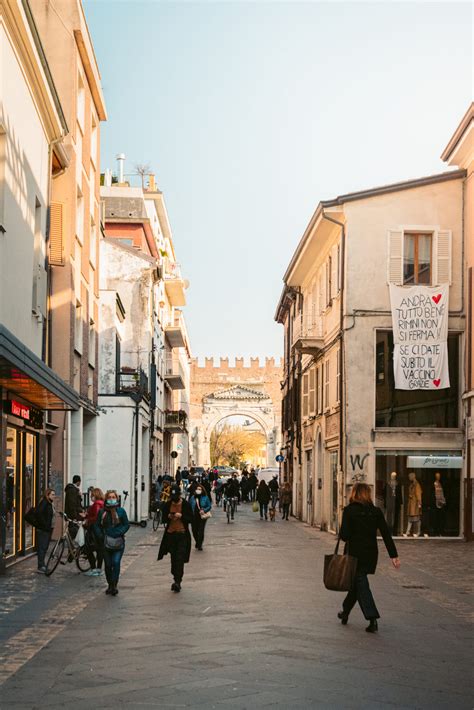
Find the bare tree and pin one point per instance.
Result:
(142, 169)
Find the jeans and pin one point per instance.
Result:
(285, 510)
(252, 494)
(177, 549)
(274, 500)
(198, 525)
(361, 593)
(112, 559)
(42, 543)
(263, 509)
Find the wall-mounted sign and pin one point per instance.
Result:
(33, 416)
(279, 458)
(19, 410)
(434, 461)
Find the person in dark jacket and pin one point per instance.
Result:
(94, 542)
(286, 497)
(176, 540)
(263, 498)
(114, 523)
(45, 515)
(253, 483)
(73, 503)
(200, 501)
(360, 522)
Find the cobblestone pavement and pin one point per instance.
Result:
(253, 627)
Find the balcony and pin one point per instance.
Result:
(133, 382)
(308, 334)
(175, 421)
(175, 331)
(175, 285)
(174, 374)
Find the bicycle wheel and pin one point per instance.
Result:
(82, 561)
(156, 520)
(55, 557)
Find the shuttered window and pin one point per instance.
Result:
(312, 391)
(408, 252)
(56, 234)
(334, 274)
(305, 397)
(326, 385)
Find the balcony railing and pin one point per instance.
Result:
(175, 421)
(175, 330)
(308, 332)
(174, 374)
(133, 382)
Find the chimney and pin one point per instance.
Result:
(120, 160)
(108, 178)
(151, 182)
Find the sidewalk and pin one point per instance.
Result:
(253, 627)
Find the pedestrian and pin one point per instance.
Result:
(253, 483)
(273, 486)
(286, 497)
(44, 524)
(201, 506)
(360, 522)
(94, 542)
(263, 496)
(114, 525)
(244, 487)
(218, 490)
(178, 476)
(73, 504)
(176, 540)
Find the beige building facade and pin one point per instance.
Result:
(344, 421)
(74, 236)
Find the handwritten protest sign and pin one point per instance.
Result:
(420, 333)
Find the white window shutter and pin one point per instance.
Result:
(334, 280)
(305, 397)
(443, 257)
(395, 256)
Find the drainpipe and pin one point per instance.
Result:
(342, 403)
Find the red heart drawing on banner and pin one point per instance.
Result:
(437, 298)
(436, 383)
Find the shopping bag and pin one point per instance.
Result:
(255, 507)
(79, 540)
(339, 571)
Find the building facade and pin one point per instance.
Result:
(344, 420)
(460, 153)
(32, 130)
(74, 237)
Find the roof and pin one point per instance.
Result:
(458, 134)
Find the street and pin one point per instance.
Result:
(253, 627)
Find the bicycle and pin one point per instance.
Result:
(157, 517)
(230, 507)
(76, 552)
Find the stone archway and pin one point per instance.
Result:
(220, 392)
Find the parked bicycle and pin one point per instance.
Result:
(75, 553)
(156, 519)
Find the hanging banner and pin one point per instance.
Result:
(420, 333)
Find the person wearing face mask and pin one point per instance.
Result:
(114, 525)
(176, 540)
(45, 515)
(201, 506)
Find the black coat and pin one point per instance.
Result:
(72, 501)
(187, 519)
(359, 530)
(44, 515)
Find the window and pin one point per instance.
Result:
(92, 190)
(417, 258)
(338, 268)
(312, 391)
(81, 102)
(319, 390)
(3, 154)
(80, 217)
(414, 408)
(92, 342)
(93, 244)
(326, 385)
(78, 328)
(328, 281)
(56, 234)
(305, 397)
(338, 376)
(94, 141)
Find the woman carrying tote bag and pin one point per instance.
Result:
(360, 522)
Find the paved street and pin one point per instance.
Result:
(253, 627)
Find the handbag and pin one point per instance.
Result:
(339, 571)
(255, 507)
(204, 515)
(114, 543)
(31, 518)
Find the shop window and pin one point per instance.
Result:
(417, 256)
(419, 492)
(414, 408)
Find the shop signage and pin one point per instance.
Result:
(434, 461)
(20, 410)
(420, 333)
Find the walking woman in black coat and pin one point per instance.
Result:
(360, 522)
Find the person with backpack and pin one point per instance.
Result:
(44, 524)
(114, 525)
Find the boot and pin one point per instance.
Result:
(114, 591)
(109, 589)
(343, 617)
(372, 627)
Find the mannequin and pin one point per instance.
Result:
(438, 505)
(393, 502)
(414, 505)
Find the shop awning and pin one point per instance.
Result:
(24, 374)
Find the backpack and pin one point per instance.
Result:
(31, 517)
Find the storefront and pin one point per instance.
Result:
(420, 492)
(28, 390)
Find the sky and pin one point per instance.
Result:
(250, 113)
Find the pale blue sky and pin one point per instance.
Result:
(250, 113)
